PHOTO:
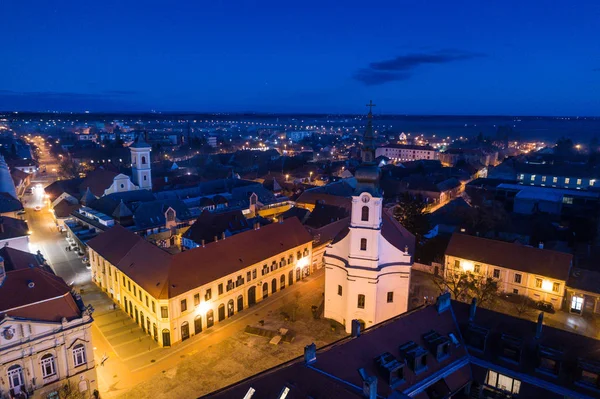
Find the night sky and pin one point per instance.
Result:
(411, 57)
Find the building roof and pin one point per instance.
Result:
(33, 293)
(98, 181)
(12, 228)
(585, 280)
(15, 259)
(538, 261)
(209, 225)
(70, 186)
(152, 213)
(164, 275)
(8, 203)
(64, 208)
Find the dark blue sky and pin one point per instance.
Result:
(411, 57)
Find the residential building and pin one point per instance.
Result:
(583, 292)
(45, 339)
(540, 274)
(173, 297)
(406, 152)
(446, 350)
(577, 177)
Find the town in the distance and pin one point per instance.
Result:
(297, 256)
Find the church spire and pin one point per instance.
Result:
(367, 174)
(368, 150)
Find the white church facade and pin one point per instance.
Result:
(368, 266)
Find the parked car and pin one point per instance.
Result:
(545, 306)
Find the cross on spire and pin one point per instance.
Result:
(370, 105)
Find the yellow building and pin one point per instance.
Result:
(173, 297)
(540, 274)
(45, 337)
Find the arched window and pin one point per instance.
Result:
(78, 355)
(363, 244)
(143, 160)
(230, 308)
(15, 376)
(365, 214)
(48, 368)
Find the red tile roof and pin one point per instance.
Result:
(98, 181)
(543, 262)
(49, 299)
(164, 275)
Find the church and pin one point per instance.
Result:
(368, 265)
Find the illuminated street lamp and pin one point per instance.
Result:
(311, 173)
(287, 177)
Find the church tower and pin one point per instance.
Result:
(367, 266)
(141, 174)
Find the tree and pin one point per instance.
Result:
(564, 147)
(464, 285)
(70, 391)
(523, 306)
(484, 289)
(457, 283)
(410, 213)
(69, 169)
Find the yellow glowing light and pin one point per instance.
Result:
(547, 285)
(202, 308)
(30, 232)
(303, 262)
(467, 266)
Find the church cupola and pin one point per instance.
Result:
(141, 174)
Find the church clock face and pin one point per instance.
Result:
(8, 333)
(365, 198)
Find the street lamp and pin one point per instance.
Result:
(310, 176)
(287, 177)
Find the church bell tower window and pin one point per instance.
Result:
(365, 214)
(363, 244)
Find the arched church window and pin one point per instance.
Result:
(363, 244)
(361, 301)
(143, 160)
(365, 214)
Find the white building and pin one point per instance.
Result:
(367, 274)
(406, 152)
(140, 164)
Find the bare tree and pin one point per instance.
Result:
(523, 306)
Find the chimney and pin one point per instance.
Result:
(538, 327)
(541, 245)
(310, 353)
(203, 243)
(222, 235)
(369, 384)
(216, 238)
(472, 309)
(355, 328)
(443, 302)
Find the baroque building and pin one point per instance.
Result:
(367, 274)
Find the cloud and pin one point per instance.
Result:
(402, 67)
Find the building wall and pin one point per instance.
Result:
(121, 183)
(573, 182)
(405, 154)
(33, 340)
(120, 288)
(508, 284)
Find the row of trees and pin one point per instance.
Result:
(464, 286)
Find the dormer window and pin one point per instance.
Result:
(548, 360)
(503, 382)
(170, 215)
(390, 369)
(438, 345)
(588, 373)
(415, 356)
(476, 337)
(511, 348)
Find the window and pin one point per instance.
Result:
(457, 264)
(129, 285)
(361, 301)
(183, 305)
(144, 177)
(153, 307)
(567, 180)
(363, 244)
(390, 297)
(589, 377)
(221, 289)
(556, 287)
(521, 176)
(15, 376)
(477, 269)
(123, 281)
(555, 180)
(78, 355)
(143, 160)
(496, 273)
(365, 214)
(579, 182)
(164, 312)
(543, 178)
(196, 299)
(339, 290)
(249, 276)
(254, 273)
(147, 304)
(208, 294)
(48, 368)
(134, 291)
(517, 278)
(140, 295)
(538, 283)
(532, 177)
(503, 382)
(568, 200)
(229, 285)
(170, 215)
(515, 291)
